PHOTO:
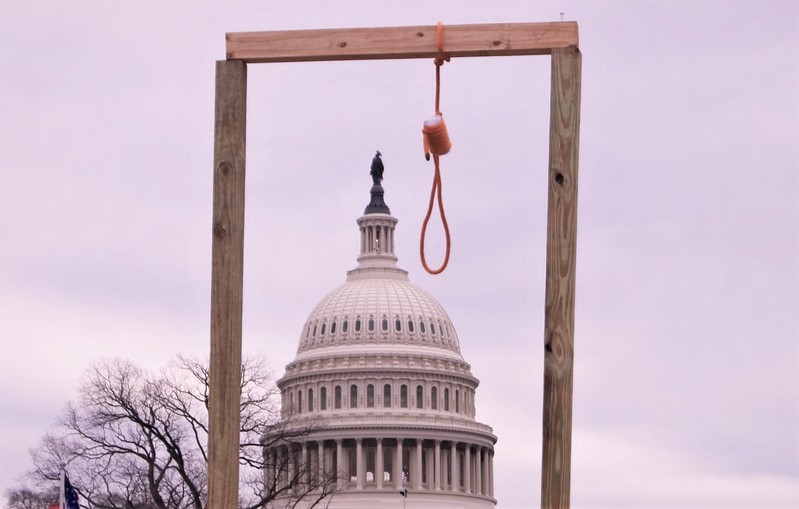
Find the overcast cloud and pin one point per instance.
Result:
(687, 349)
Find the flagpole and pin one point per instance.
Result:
(62, 499)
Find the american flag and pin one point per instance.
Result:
(68, 496)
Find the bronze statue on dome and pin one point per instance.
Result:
(377, 169)
(376, 203)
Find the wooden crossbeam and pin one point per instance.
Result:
(496, 39)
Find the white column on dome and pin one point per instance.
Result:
(478, 471)
(444, 469)
(437, 466)
(485, 471)
(467, 468)
(398, 465)
(379, 469)
(320, 462)
(339, 465)
(491, 474)
(417, 474)
(454, 465)
(360, 464)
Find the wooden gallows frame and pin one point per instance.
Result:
(560, 40)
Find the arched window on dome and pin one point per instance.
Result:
(322, 330)
(299, 401)
(384, 324)
(440, 330)
(323, 398)
(434, 398)
(397, 324)
(333, 327)
(370, 396)
(337, 397)
(421, 327)
(345, 326)
(370, 325)
(357, 325)
(419, 396)
(307, 331)
(446, 399)
(314, 331)
(291, 402)
(410, 324)
(387, 395)
(310, 400)
(457, 401)
(353, 396)
(404, 396)
(432, 328)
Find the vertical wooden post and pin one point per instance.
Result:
(564, 142)
(227, 274)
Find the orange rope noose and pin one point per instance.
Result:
(436, 141)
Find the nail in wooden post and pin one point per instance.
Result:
(226, 284)
(564, 143)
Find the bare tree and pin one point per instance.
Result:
(25, 498)
(137, 439)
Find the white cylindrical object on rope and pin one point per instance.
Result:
(436, 135)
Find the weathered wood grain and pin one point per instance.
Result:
(564, 144)
(400, 42)
(558, 39)
(227, 271)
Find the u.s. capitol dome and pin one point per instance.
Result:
(382, 393)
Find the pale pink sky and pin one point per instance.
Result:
(687, 330)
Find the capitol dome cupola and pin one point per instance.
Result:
(377, 232)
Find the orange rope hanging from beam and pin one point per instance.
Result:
(436, 142)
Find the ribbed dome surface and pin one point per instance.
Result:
(378, 311)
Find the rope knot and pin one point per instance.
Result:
(441, 58)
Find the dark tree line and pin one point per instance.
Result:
(137, 439)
